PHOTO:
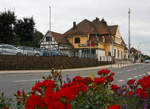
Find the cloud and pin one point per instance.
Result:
(64, 12)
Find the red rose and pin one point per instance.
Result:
(112, 74)
(139, 91)
(48, 83)
(110, 78)
(5, 107)
(104, 72)
(33, 102)
(144, 95)
(87, 80)
(100, 80)
(130, 93)
(18, 93)
(78, 79)
(115, 107)
(131, 81)
(114, 87)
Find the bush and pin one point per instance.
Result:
(85, 93)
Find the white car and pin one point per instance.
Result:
(7, 49)
(147, 61)
(29, 51)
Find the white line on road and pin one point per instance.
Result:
(140, 75)
(32, 80)
(135, 76)
(121, 80)
(129, 70)
(130, 78)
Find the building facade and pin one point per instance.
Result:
(93, 39)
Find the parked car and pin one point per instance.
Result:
(147, 61)
(7, 49)
(29, 51)
(51, 53)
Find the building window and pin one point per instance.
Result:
(77, 40)
(118, 40)
(121, 55)
(48, 39)
(114, 52)
(118, 53)
(109, 53)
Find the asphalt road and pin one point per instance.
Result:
(11, 82)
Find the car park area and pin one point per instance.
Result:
(6, 49)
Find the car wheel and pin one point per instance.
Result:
(37, 54)
(19, 54)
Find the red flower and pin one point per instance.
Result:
(87, 80)
(100, 80)
(48, 83)
(33, 102)
(78, 79)
(104, 72)
(115, 107)
(37, 86)
(18, 93)
(5, 107)
(130, 93)
(66, 93)
(131, 81)
(110, 78)
(83, 87)
(139, 91)
(112, 74)
(144, 95)
(114, 87)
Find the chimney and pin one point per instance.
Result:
(74, 25)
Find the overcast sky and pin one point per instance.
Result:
(64, 12)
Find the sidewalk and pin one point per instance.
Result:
(74, 69)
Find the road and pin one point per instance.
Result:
(11, 82)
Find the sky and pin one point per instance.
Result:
(64, 12)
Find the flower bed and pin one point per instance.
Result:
(84, 93)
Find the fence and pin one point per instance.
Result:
(8, 62)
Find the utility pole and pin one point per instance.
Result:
(49, 18)
(50, 26)
(129, 33)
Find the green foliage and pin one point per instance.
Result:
(4, 101)
(18, 31)
(7, 21)
(25, 28)
(37, 35)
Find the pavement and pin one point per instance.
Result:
(74, 69)
(11, 81)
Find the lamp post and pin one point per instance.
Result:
(129, 32)
(112, 45)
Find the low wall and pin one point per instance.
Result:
(8, 62)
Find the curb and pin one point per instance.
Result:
(75, 69)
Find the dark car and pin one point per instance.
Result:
(52, 53)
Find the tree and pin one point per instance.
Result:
(25, 30)
(37, 37)
(7, 21)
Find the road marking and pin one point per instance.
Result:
(130, 78)
(121, 80)
(140, 75)
(135, 76)
(32, 80)
(148, 73)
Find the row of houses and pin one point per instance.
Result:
(94, 39)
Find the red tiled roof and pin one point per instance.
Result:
(84, 27)
(60, 38)
(113, 29)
